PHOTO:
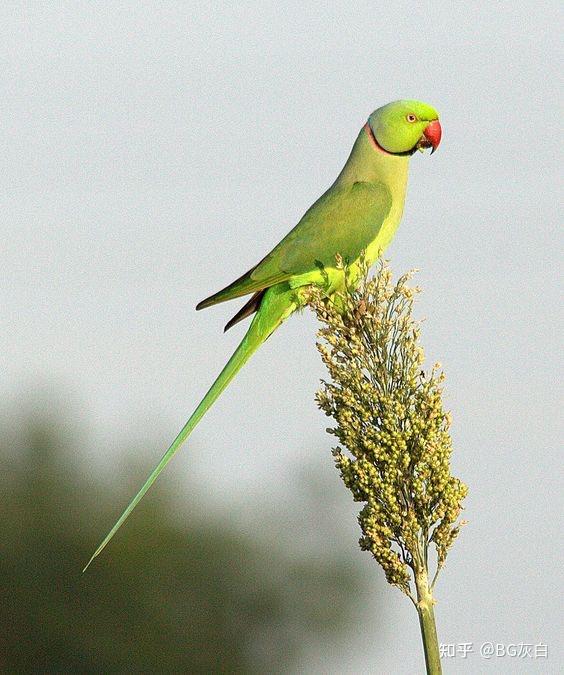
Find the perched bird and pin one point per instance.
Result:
(358, 215)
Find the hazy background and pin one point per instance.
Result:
(151, 153)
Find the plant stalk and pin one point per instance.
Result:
(427, 624)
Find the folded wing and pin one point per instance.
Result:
(344, 220)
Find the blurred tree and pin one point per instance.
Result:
(192, 598)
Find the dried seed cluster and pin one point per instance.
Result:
(390, 419)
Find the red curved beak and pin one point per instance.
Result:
(433, 133)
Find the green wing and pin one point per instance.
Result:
(344, 220)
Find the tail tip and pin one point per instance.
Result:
(88, 563)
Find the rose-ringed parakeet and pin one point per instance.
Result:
(357, 216)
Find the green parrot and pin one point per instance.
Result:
(358, 215)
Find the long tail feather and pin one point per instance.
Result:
(265, 322)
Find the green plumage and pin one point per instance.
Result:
(358, 213)
(346, 219)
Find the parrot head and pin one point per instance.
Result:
(402, 127)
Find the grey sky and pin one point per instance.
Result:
(154, 151)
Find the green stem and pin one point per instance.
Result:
(427, 624)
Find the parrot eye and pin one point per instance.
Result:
(411, 117)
